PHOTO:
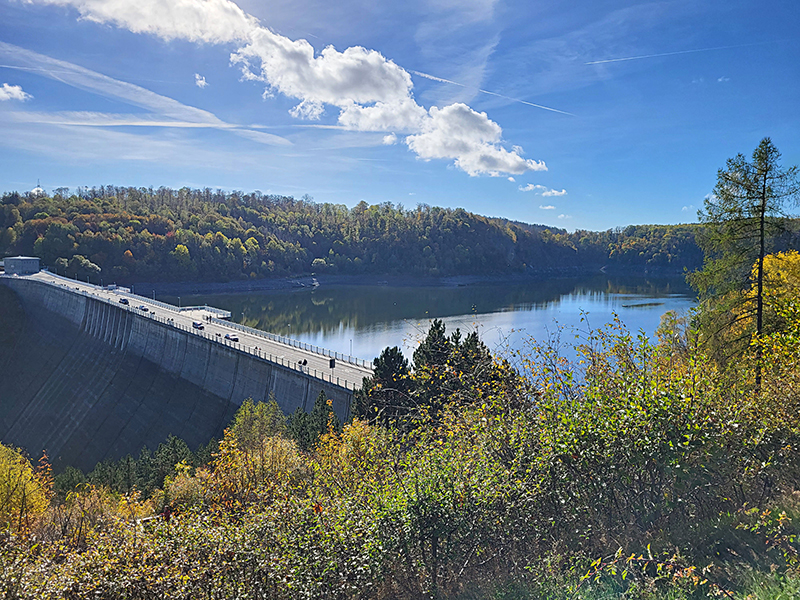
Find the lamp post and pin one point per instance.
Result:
(179, 302)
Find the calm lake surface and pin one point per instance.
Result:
(362, 320)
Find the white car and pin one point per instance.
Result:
(198, 325)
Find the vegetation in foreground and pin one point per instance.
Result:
(645, 467)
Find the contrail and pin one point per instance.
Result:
(441, 80)
(611, 60)
(53, 71)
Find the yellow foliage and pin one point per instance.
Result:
(184, 488)
(350, 461)
(781, 285)
(88, 510)
(240, 476)
(24, 492)
(782, 276)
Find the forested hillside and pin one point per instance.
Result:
(138, 234)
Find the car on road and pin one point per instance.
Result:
(143, 308)
(233, 338)
(124, 301)
(198, 325)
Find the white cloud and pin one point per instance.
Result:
(723, 79)
(404, 115)
(548, 207)
(354, 76)
(389, 140)
(541, 190)
(471, 139)
(200, 81)
(687, 208)
(371, 92)
(511, 179)
(212, 21)
(13, 92)
(563, 216)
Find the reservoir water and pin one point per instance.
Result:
(362, 320)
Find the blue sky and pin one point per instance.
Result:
(583, 114)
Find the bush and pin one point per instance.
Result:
(24, 490)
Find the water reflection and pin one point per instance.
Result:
(369, 318)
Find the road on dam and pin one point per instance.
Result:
(88, 378)
(312, 360)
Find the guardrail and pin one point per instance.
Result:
(297, 344)
(255, 351)
(251, 350)
(223, 314)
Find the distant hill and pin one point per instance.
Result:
(144, 234)
(529, 227)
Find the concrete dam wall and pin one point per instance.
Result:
(85, 380)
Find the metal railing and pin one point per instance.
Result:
(281, 339)
(251, 350)
(256, 352)
(222, 314)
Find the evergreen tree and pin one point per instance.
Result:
(145, 471)
(435, 348)
(384, 398)
(205, 454)
(66, 481)
(742, 219)
(169, 454)
(299, 429)
(306, 428)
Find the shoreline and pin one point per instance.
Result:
(310, 281)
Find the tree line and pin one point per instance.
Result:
(137, 234)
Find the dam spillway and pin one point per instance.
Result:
(86, 379)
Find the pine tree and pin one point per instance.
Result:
(385, 397)
(742, 219)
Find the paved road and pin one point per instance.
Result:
(318, 365)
